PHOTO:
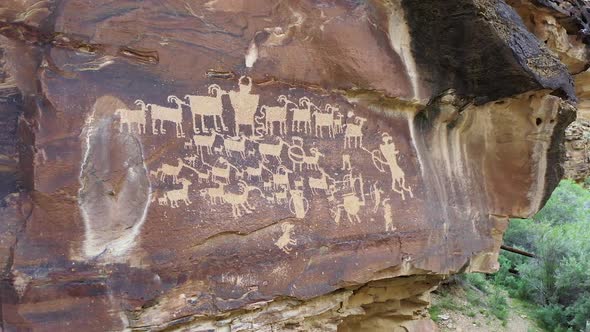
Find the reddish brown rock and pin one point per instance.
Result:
(249, 165)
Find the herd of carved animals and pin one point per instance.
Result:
(211, 149)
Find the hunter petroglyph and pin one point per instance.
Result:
(249, 152)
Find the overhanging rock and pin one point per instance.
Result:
(254, 165)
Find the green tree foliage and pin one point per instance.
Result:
(558, 279)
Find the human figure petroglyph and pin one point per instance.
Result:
(207, 106)
(386, 155)
(302, 116)
(178, 195)
(388, 216)
(286, 241)
(353, 133)
(296, 153)
(277, 114)
(163, 113)
(376, 193)
(324, 120)
(245, 104)
(281, 197)
(274, 150)
(346, 162)
(353, 182)
(337, 125)
(351, 205)
(298, 204)
(298, 183)
(239, 202)
(133, 117)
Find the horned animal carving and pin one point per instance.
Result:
(162, 113)
(133, 117)
(207, 106)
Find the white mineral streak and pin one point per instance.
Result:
(400, 39)
(251, 55)
(105, 217)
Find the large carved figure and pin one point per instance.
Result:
(207, 106)
(386, 156)
(245, 104)
(162, 114)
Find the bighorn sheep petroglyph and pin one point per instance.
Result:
(235, 144)
(302, 116)
(276, 114)
(169, 170)
(133, 117)
(211, 106)
(163, 113)
(353, 134)
(325, 120)
(311, 162)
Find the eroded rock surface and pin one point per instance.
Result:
(254, 165)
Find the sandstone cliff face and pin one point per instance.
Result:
(254, 165)
(563, 26)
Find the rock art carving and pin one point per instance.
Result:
(178, 195)
(388, 216)
(353, 133)
(274, 115)
(239, 201)
(132, 117)
(302, 116)
(298, 204)
(245, 105)
(272, 150)
(207, 106)
(169, 171)
(162, 114)
(325, 120)
(252, 157)
(346, 162)
(386, 156)
(286, 241)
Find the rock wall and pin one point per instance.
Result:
(254, 165)
(563, 27)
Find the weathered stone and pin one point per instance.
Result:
(254, 165)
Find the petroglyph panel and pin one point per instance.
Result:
(246, 154)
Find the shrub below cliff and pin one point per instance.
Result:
(558, 278)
